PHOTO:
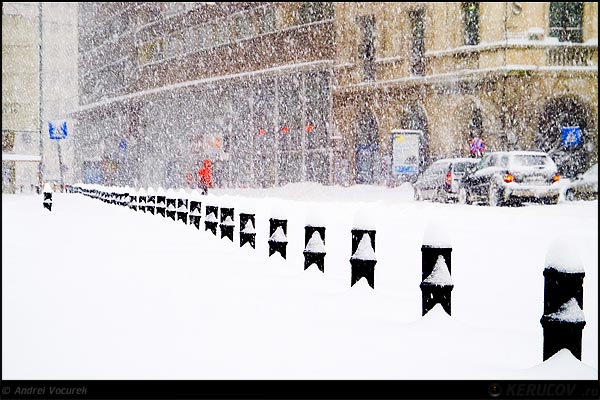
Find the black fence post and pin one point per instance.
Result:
(563, 320)
(314, 247)
(436, 279)
(363, 258)
(182, 211)
(247, 229)
(47, 202)
(171, 208)
(227, 224)
(277, 236)
(437, 288)
(195, 214)
(161, 202)
(133, 201)
(151, 201)
(211, 221)
(142, 199)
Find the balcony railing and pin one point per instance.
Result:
(574, 55)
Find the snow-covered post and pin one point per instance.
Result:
(171, 203)
(112, 196)
(247, 232)
(211, 221)
(161, 202)
(563, 318)
(47, 202)
(124, 196)
(436, 285)
(195, 210)
(363, 258)
(227, 224)
(142, 199)
(314, 247)
(182, 214)
(182, 206)
(277, 236)
(133, 199)
(151, 201)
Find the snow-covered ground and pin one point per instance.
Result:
(97, 291)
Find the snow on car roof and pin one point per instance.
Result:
(458, 159)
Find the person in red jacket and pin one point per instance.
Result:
(205, 177)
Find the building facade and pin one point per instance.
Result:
(275, 93)
(39, 85)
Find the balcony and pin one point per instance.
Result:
(524, 53)
(572, 55)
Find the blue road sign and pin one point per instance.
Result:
(570, 136)
(57, 132)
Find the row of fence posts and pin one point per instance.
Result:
(562, 322)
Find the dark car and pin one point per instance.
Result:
(440, 181)
(584, 186)
(511, 178)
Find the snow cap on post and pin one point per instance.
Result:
(562, 257)
(170, 193)
(160, 191)
(314, 216)
(246, 205)
(364, 219)
(436, 235)
(182, 194)
(47, 188)
(278, 210)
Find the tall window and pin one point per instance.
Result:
(566, 21)
(417, 48)
(367, 47)
(476, 124)
(471, 23)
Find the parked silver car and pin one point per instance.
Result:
(440, 181)
(511, 178)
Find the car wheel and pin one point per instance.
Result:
(569, 195)
(418, 195)
(494, 195)
(463, 196)
(550, 200)
(441, 197)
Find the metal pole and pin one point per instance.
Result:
(60, 167)
(41, 163)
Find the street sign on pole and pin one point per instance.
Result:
(58, 130)
(570, 136)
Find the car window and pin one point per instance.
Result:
(529, 160)
(503, 161)
(489, 161)
(464, 166)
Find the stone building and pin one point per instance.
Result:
(284, 92)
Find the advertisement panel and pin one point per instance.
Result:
(406, 146)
